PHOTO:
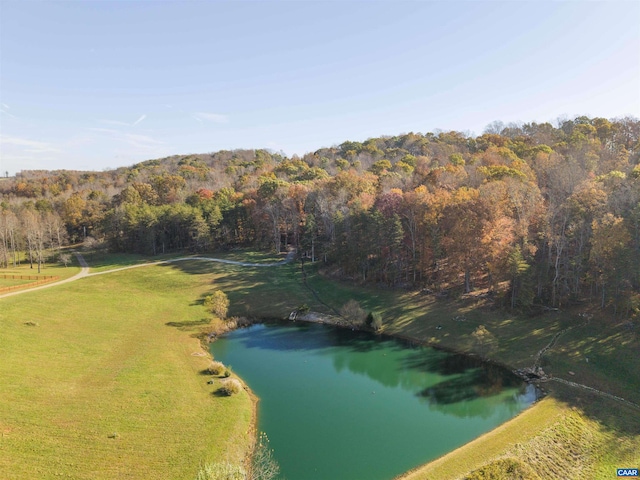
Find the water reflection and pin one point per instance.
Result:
(437, 377)
(375, 406)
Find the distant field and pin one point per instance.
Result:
(10, 282)
(101, 380)
(100, 262)
(53, 268)
(249, 256)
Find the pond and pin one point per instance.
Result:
(350, 405)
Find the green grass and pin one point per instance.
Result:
(249, 256)
(102, 261)
(47, 269)
(10, 282)
(260, 292)
(103, 387)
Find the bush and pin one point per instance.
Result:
(353, 313)
(221, 471)
(484, 341)
(217, 303)
(502, 469)
(216, 368)
(230, 387)
(374, 321)
(227, 372)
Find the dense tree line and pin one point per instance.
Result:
(542, 213)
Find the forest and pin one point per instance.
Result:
(532, 215)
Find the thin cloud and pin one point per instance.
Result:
(142, 117)
(211, 117)
(33, 146)
(4, 109)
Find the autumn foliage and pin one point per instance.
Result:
(533, 214)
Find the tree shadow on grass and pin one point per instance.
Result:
(189, 324)
(218, 392)
(621, 419)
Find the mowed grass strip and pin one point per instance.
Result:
(99, 386)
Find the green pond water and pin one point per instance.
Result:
(343, 405)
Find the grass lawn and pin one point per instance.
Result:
(107, 383)
(101, 261)
(47, 269)
(10, 282)
(249, 256)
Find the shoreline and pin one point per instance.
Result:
(324, 319)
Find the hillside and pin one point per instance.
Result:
(532, 214)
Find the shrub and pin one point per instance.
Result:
(216, 368)
(227, 372)
(374, 320)
(353, 313)
(221, 471)
(504, 468)
(217, 303)
(231, 387)
(484, 341)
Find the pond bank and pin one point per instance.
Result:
(322, 318)
(531, 427)
(364, 389)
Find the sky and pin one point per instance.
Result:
(91, 85)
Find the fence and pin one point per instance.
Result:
(39, 280)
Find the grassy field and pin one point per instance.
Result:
(101, 379)
(101, 261)
(139, 322)
(10, 282)
(47, 269)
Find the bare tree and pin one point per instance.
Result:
(263, 464)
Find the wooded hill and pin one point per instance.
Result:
(539, 214)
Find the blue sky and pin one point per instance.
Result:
(93, 85)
